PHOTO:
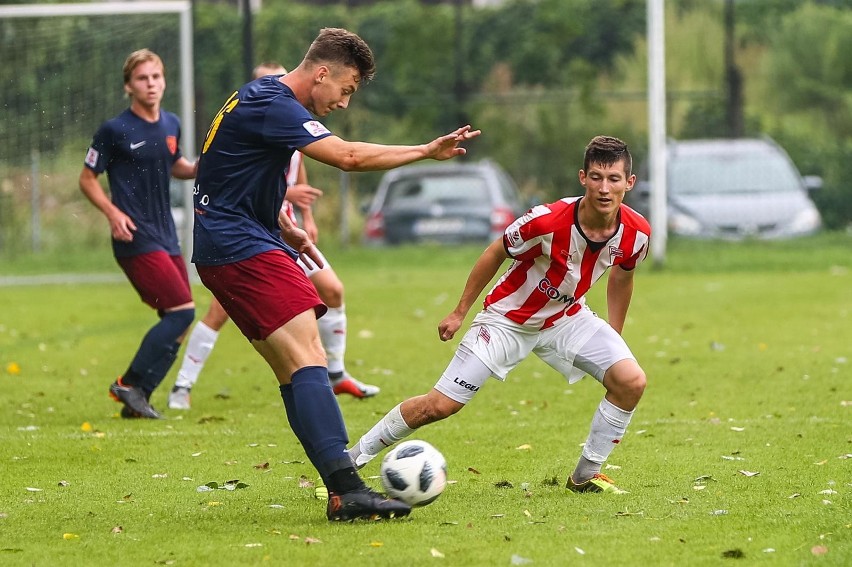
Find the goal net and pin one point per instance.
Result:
(61, 77)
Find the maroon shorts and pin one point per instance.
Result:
(263, 292)
(161, 280)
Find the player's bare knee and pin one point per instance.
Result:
(626, 381)
(430, 408)
(331, 293)
(636, 383)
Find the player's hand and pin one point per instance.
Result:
(298, 239)
(310, 226)
(302, 195)
(121, 226)
(449, 326)
(447, 147)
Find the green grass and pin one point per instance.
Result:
(747, 351)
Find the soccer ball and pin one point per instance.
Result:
(414, 472)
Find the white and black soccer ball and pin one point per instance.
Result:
(414, 472)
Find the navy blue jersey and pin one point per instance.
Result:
(138, 156)
(240, 184)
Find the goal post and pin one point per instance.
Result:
(61, 78)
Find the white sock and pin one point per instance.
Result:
(390, 429)
(198, 348)
(332, 330)
(608, 427)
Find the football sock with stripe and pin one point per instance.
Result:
(390, 429)
(608, 426)
(200, 344)
(332, 331)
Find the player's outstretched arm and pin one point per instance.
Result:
(480, 275)
(619, 292)
(365, 156)
(121, 226)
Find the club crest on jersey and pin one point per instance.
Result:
(92, 157)
(315, 128)
(616, 252)
(171, 143)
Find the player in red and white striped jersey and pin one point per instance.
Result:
(538, 306)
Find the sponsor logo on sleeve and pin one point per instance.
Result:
(514, 237)
(92, 157)
(315, 128)
(171, 143)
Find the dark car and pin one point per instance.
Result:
(451, 202)
(734, 189)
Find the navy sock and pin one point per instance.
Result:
(158, 350)
(321, 422)
(295, 425)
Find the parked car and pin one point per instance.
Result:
(451, 202)
(734, 189)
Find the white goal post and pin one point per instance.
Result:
(181, 8)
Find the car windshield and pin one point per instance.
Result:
(443, 189)
(731, 173)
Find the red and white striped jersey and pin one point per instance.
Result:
(290, 178)
(555, 264)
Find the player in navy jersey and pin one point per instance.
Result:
(538, 306)
(140, 151)
(245, 246)
(332, 326)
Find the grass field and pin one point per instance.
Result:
(739, 452)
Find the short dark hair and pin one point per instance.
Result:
(606, 150)
(342, 47)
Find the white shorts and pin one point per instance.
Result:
(310, 271)
(577, 345)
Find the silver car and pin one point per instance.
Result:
(735, 189)
(449, 203)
